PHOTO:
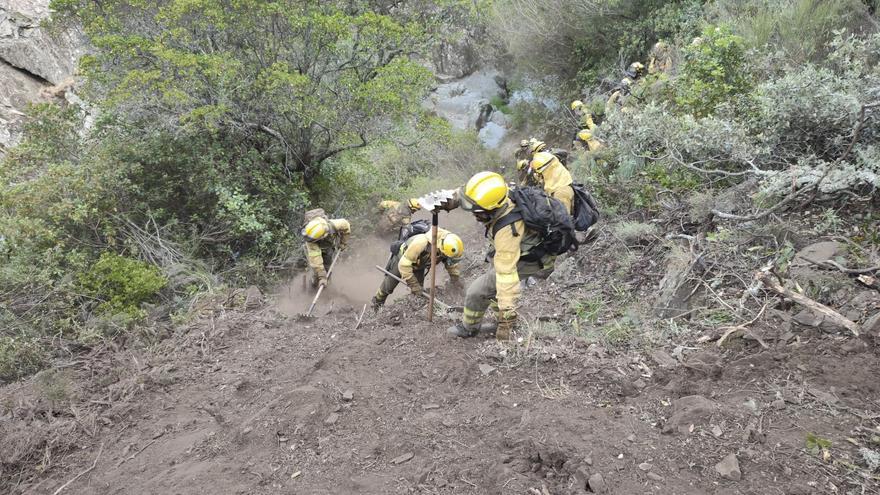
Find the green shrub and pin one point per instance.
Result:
(801, 29)
(122, 284)
(20, 357)
(713, 71)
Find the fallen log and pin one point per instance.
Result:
(766, 278)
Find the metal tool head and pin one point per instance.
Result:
(434, 199)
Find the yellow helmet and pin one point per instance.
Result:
(584, 135)
(316, 230)
(541, 161)
(535, 146)
(485, 191)
(635, 69)
(452, 246)
(413, 204)
(576, 104)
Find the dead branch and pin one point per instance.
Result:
(831, 264)
(83, 473)
(361, 317)
(742, 329)
(813, 190)
(771, 283)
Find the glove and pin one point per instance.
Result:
(506, 324)
(322, 280)
(415, 288)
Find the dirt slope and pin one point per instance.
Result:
(255, 402)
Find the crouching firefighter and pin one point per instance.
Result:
(527, 229)
(323, 238)
(395, 214)
(411, 258)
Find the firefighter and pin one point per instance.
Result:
(395, 214)
(486, 196)
(553, 177)
(323, 238)
(584, 139)
(413, 259)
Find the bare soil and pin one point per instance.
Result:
(252, 402)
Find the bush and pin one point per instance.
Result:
(801, 29)
(122, 284)
(19, 357)
(714, 70)
(633, 232)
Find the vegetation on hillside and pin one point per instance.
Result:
(214, 125)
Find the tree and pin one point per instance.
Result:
(301, 80)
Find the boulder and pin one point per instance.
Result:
(36, 63)
(819, 252)
(677, 287)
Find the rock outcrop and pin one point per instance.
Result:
(37, 61)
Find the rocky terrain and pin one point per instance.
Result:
(37, 62)
(253, 398)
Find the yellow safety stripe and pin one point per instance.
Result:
(471, 317)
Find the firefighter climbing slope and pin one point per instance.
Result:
(411, 258)
(323, 238)
(395, 214)
(526, 229)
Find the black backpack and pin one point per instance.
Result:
(562, 154)
(586, 211)
(409, 230)
(542, 214)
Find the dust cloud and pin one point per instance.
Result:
(355, 279)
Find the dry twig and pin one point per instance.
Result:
(742, 329)
(81, 474)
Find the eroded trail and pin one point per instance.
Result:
(256, 403)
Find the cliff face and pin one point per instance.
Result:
(37, 62)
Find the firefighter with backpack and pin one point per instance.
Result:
(554, 178)
(395, 214)
(411, 258)
(525, 228)
(323, 238)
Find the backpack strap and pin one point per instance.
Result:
(509, 219)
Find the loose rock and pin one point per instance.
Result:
(687, 411)
(348, 395)
(402, 458)
(728, 468)
(654, 476)
(596, 484)
(331, 419)
(646, 466)
(663, 359)
(485, 369)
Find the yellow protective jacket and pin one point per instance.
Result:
(555, 178)
(508, 250)
(340, 230)
(416, 255)
(396, 213)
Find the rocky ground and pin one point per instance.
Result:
(249, 400)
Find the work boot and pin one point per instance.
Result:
(488, 328)
(377, 303)
(460, 330)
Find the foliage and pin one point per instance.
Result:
(801, 29)
(589, 40)
(631, 232)
(791, 130)
(121, 284)
(19, 357)
(327, 78)
(714, 70)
